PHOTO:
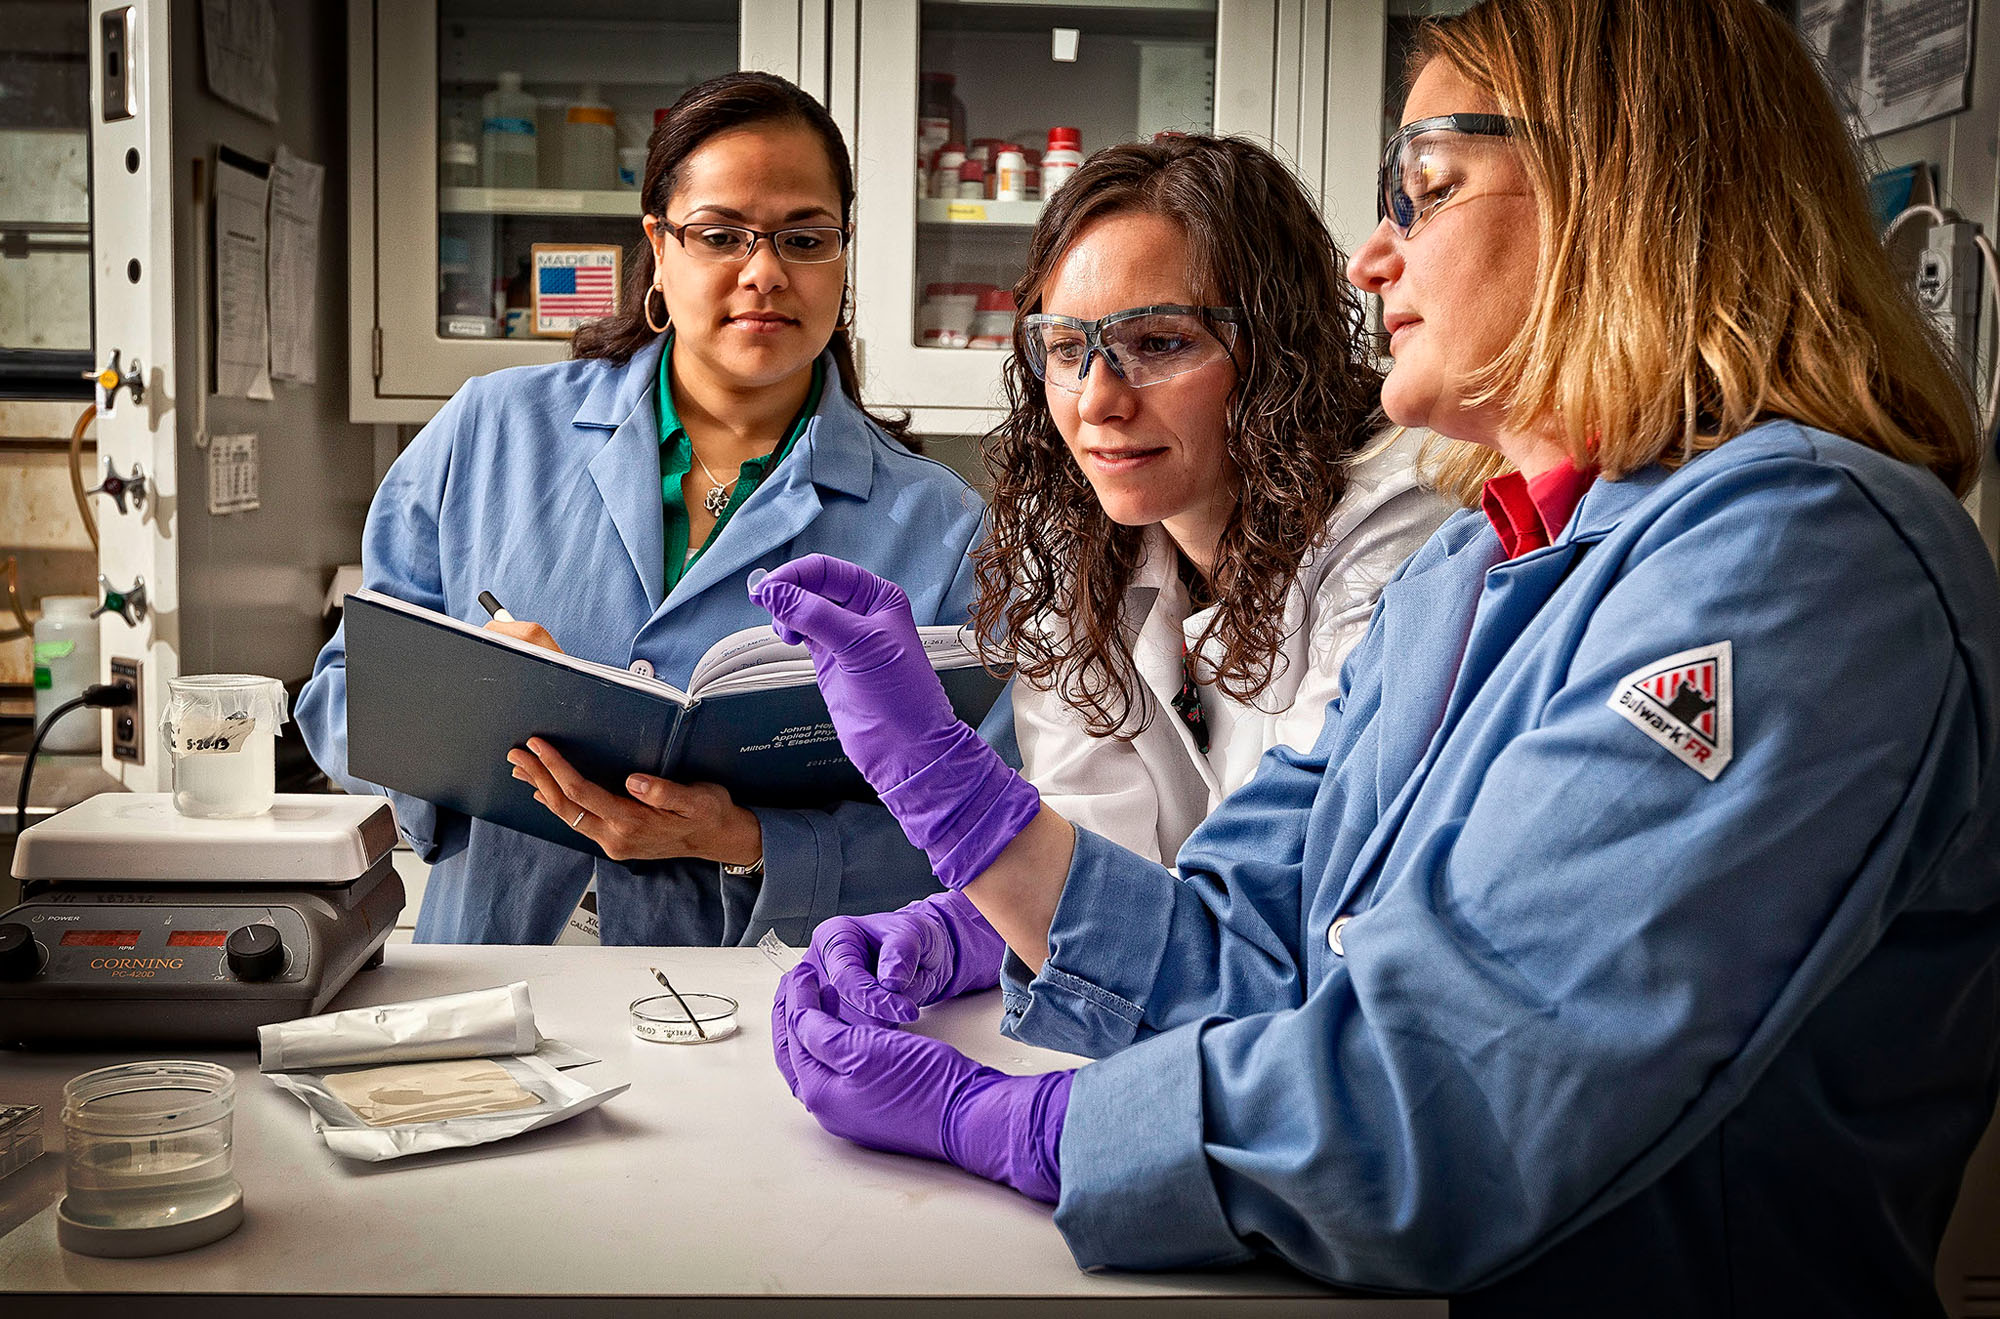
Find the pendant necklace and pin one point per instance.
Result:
(717, 497)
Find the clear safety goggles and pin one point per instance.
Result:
(1141, 345)
(804, 245)
(1427, 161)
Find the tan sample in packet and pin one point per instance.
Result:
(428, 1092)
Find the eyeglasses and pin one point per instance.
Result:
(1423, 165)
(1141, 345)
(809, 245)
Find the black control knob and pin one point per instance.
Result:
(19, 958)
(255, 952)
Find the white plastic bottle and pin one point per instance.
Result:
(944, 177)
(1062, 159)
(508, 160)
(1010, 173)
(458, 154)
(66, 663)
(590, 142)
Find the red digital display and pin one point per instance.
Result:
(100, 939)
(197, 939)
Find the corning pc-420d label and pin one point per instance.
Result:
(200, 734)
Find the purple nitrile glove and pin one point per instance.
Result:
(910, 1094)
(953, 795)
(888, 965)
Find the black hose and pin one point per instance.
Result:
(101, 696)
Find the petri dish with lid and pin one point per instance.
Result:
(662, 1019)
(147, 1162)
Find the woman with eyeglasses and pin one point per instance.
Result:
(1629, 940)
(1194, 501)
(621, 499)
(1194, 506)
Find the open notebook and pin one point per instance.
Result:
(434, 705)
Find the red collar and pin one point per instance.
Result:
(1529, 514)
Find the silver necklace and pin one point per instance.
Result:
(717, 497)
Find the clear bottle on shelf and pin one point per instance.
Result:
(520, 299)
(465, 303)
(590, 142)
(508, 136)
(1063, 158)
(65, 658)
(458, 154)
(631, 168)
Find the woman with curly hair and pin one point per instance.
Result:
(1628, 943)
(1192, 514)
(1192, 510)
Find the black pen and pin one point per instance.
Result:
(495, 608)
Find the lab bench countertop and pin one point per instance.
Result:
(705, 1184)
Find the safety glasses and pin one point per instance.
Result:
(1142, 345)
(806, 245)
(1427, 161)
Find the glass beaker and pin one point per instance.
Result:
(220, 731)
(147, 1145)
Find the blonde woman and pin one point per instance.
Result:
(1629, 941)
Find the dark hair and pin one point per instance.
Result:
(731, 101)
(1307, 398)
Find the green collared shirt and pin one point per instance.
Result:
(677, 456)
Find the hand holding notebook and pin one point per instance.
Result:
(434, 704)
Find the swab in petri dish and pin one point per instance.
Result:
(661, 1019)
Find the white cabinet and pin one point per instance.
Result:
(993, 73)
(438, 243)
(433, 253)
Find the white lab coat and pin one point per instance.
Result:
(1148, 794)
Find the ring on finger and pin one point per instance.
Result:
(580, 813)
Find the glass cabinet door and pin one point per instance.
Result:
(1355, 96)
(510, 145)
(44, 200)
(972, 112)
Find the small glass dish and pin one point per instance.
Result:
(662, 1019)
(147, 1161)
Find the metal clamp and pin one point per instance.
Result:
(119, 487)
(129, 604)
(114, 378)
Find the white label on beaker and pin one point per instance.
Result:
(201, 734)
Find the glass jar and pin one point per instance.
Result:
(220, 730)
(148, 1146)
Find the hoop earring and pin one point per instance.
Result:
(646, 308)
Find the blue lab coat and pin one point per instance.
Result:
(1602, 1036)
(542, 485)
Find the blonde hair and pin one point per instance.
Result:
(1707, 257)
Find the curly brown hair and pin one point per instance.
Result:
(1307, 398)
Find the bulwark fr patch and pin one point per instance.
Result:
(1683, 703)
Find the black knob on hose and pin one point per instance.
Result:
(19, 958)
(255, 952)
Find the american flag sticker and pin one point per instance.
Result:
(1683, 702)
(574, 285)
